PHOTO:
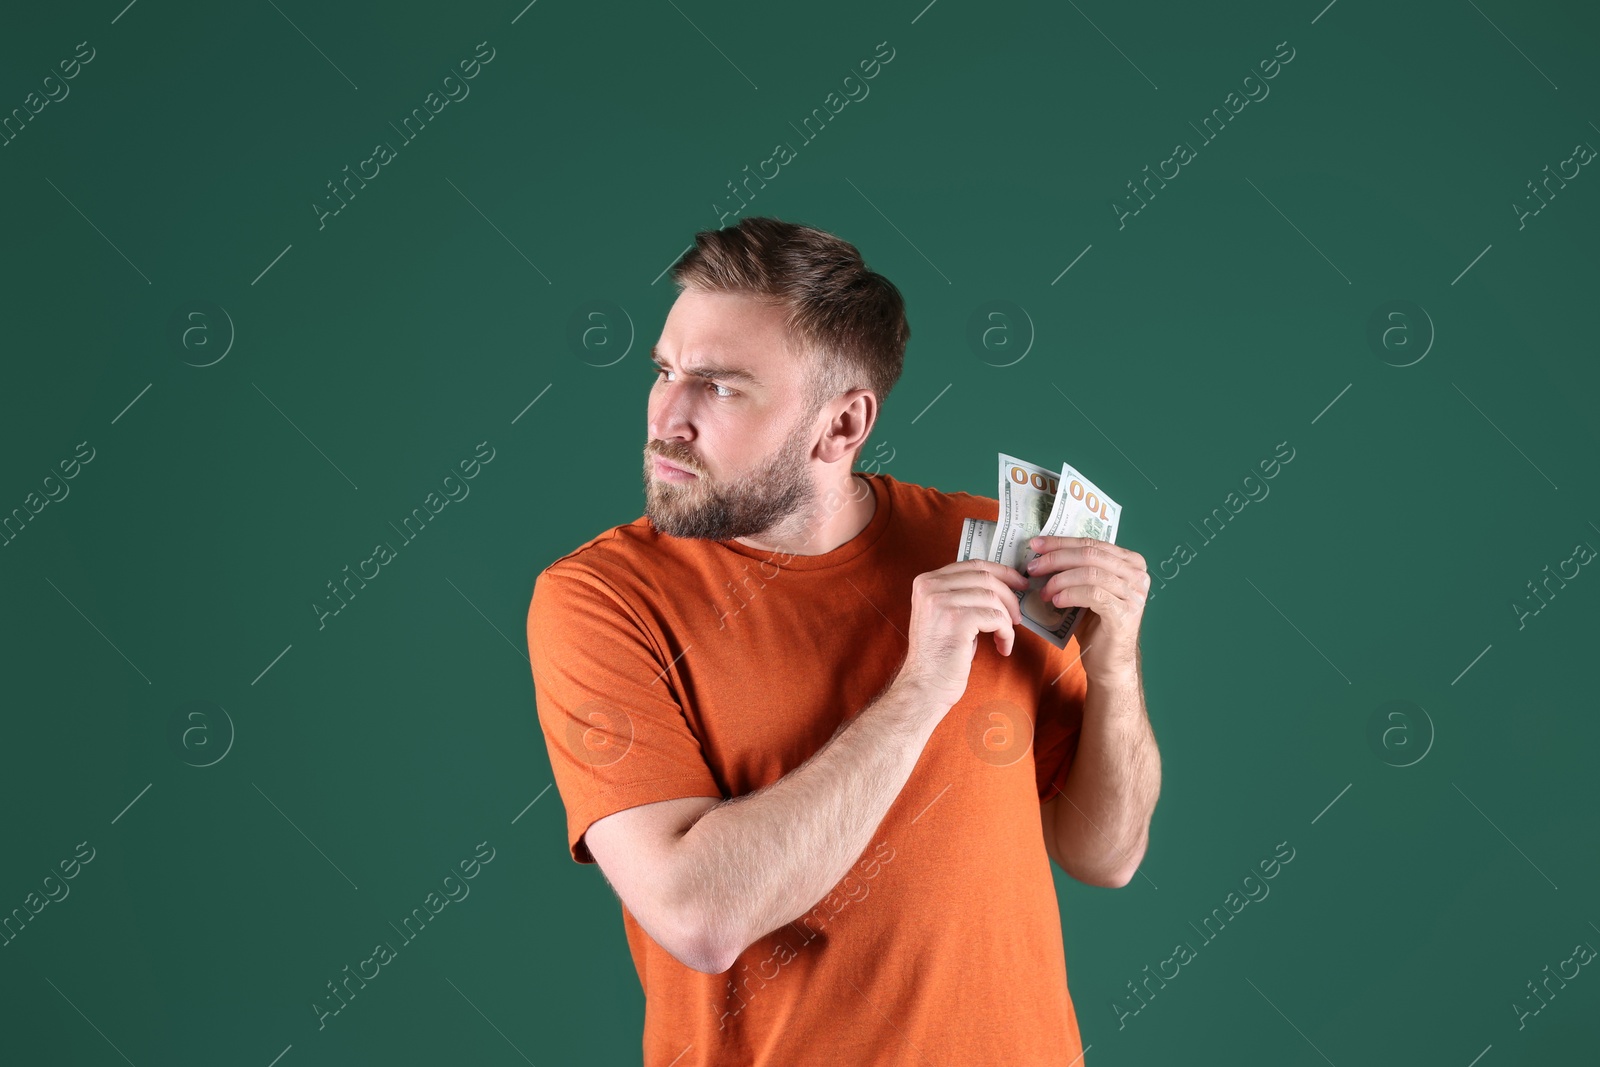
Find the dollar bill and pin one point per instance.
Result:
(1032, 505)
(976, 536)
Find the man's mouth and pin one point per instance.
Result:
(671, 471)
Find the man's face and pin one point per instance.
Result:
(728, 414)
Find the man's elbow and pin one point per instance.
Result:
(701, 954)
(1114, 880)
(1114, 877)
(1124, 874)
(693, 939)
(657, 882)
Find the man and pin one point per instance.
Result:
(827, 807)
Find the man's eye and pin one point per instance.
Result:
(722, 392)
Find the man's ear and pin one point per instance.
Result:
(853, 415)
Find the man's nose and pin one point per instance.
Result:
(668, 413)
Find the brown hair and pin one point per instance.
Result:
(852, 317)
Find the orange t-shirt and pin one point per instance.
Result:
(669, 667)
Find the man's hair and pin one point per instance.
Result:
(853, 319)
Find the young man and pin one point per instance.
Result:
(827, 806)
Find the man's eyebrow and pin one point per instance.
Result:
(712, 370)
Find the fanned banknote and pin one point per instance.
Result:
(1032, 505)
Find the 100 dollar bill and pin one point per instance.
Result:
(1032, 505)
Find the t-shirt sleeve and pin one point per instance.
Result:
(612, 723)
(1060, 719)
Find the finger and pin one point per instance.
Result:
(1005, 634)
(1001, 579)
(1096, 598)
(989, 613)
(1043, 543)
(989, 592)
(1110, 551)
(984, 599)
(1062, 551)
(1009, 575)
(1009, 579)
(1093, 577)
(1008, 599)
(1092, 555)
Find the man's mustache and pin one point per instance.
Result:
(687, 462)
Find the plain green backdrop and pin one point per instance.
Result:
(161, 613)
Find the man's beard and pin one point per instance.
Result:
(749, 505)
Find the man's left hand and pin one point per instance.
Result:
(1112, 583)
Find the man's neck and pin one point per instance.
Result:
(828, 529)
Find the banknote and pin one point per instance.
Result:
(1032, 504)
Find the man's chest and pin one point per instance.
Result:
(769, 670)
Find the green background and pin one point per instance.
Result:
(351, 766)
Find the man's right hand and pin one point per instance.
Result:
(950, 607)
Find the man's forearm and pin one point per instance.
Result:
(1110, 792)
(758, 861)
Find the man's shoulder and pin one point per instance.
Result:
(625, 564)
(623, 539)
(607, 556)
(925, 503)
